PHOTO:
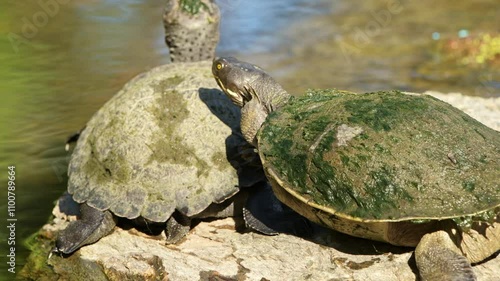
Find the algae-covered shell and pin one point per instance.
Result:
(380, 157)
(164, 142)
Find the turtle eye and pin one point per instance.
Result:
(219, 66)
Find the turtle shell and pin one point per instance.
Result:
(380, 157)
(164, 142)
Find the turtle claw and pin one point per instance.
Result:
(255, 224)
(92, 226)
(178, 226)
(265, 214)
(438, 258)
(53, 251)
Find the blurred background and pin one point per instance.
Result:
(57, 67)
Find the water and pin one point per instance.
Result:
(82, 53)
(387, 44)
(259, 23)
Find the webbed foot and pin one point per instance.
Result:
(438, 258)
(178, 226)
(92, 226)
(264, 213)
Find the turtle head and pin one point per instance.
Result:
(242, 82)
(237, 78)
(251, 88)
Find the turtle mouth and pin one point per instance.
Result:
(235, 97)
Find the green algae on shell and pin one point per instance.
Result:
(192, 6)
(384, 156)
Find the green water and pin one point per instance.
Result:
(59, 64)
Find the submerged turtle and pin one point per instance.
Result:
(161, 150)
(406, 169)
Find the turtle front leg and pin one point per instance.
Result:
(92, 226)
(178, 226)
(438, 258)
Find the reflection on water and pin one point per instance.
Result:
(86, 50)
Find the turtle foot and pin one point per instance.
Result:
(92, 226)
(264, 213)
(252, 222)
(438, 258)
(178, 226)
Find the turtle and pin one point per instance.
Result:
(162, 151)
(402, 168)
(165, 149)
(191, 29)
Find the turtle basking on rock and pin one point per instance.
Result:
(155, 151)
(166, 149)
(406, 169)
(158, 152)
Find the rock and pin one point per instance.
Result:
(217, 251)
